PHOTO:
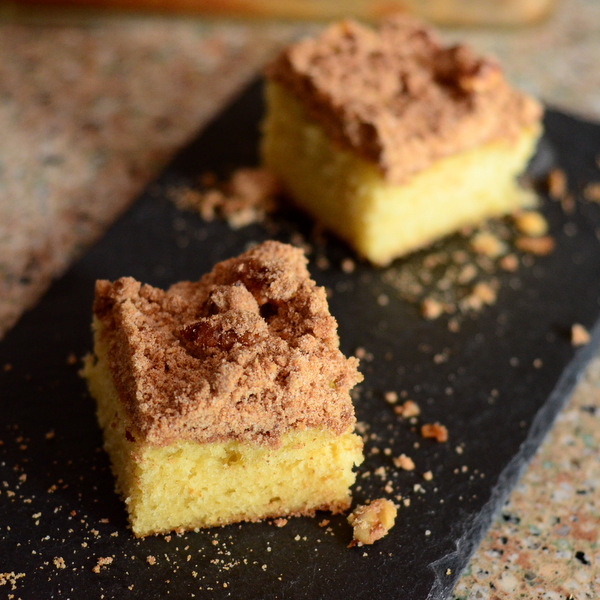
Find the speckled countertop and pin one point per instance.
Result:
(91, 108)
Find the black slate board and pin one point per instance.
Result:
(56, 491)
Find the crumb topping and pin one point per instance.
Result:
(398, 96)
(248, 352)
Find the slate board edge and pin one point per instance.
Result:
(473, 535)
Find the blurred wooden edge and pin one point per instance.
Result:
(443, 12)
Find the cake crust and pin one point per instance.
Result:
(398, 97)
(247, 353)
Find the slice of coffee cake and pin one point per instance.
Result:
(225, 399)
(391, 139)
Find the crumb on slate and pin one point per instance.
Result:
(371, 522)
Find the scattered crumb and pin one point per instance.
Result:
(509, 263)
(431, 308)
(567, 203)
(579, 335)
(453, 325)
(531, 223)
(539, 246)
(408, 409)
(404, 462)
(151, 560)
(380, 472)
(348, 265)
(383, 300)
(428, 476)
(487, 244)
(10, 579)
(59, 562)
(481, 295)
(280, 522)
(322, 263)
(103, 561)
(324, 523)
(247, 197)
(557, 183)
(435, 431)
(391, 397)
(592, 192)
(371, 522)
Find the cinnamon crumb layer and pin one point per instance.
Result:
(398, 97)
(249, 352)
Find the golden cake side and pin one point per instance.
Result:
(180, 475)
(392, 140)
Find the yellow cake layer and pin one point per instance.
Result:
(382, 221)
(187, 485)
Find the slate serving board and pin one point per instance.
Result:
(59, 514)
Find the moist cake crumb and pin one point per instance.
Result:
(371, 522)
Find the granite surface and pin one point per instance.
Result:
(91, 108)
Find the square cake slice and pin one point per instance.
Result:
(392, 140)
(225, 399)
